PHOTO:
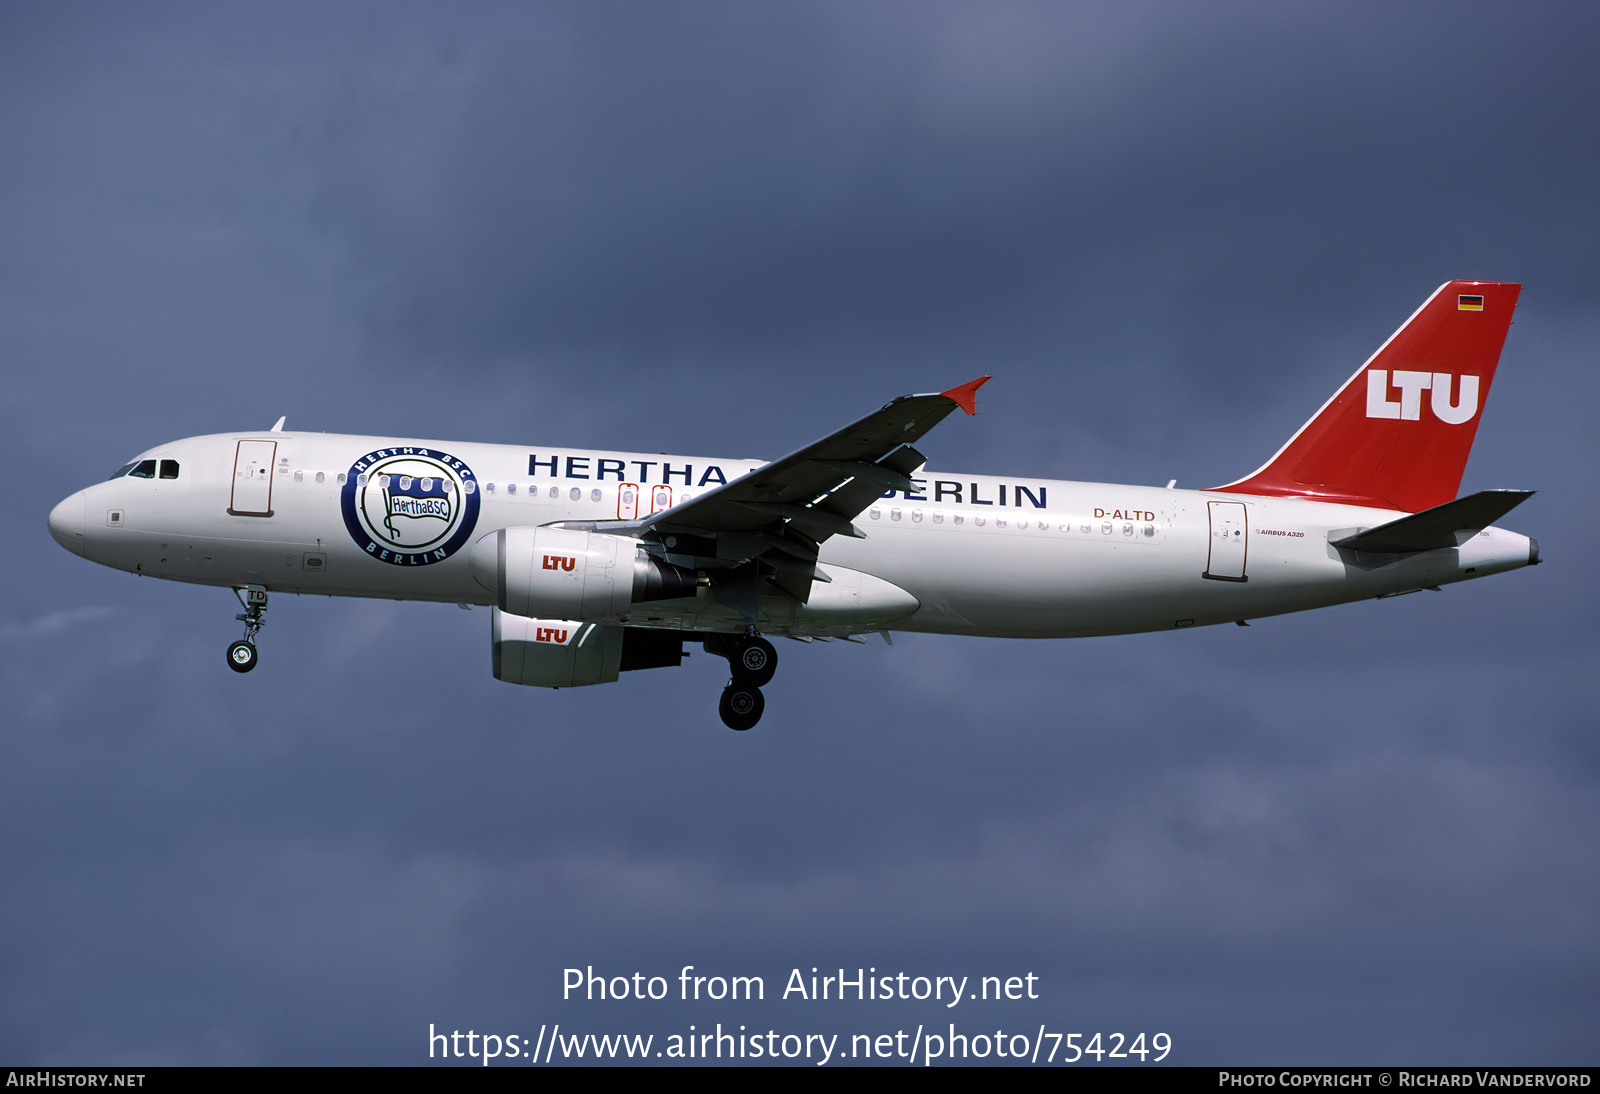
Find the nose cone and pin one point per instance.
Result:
(66, 523)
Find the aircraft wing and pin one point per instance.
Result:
(820, 488)
(779, 513)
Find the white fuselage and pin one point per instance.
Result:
(962, 554)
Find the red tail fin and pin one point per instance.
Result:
(1397, 435)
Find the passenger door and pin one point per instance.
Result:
(1230, 541)
(252, 479)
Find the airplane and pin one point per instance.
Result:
(595, 562)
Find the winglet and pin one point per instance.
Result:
(966, 396)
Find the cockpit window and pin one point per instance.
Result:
(169, 469)
(123, 470)
(144, 469)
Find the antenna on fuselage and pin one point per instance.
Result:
(278, 425)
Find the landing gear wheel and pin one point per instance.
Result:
(754, 662)
(242, 656)
(741, 706)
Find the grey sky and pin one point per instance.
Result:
(1359, 835)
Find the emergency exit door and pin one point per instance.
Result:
(252, 479)
(1230, 541)
(628, 501)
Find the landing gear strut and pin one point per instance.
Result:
(242, 655)
(752, 661)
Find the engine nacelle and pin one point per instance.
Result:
(559, 653)
(555, 653)
(558, 573)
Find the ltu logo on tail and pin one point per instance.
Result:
(1412, 384)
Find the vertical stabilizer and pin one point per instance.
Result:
(1397, 435)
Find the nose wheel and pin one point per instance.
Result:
(753, 661)
(242, 656)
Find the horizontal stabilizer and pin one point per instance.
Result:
(1447, 525)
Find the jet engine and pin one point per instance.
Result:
(560, 573)
(561, 653)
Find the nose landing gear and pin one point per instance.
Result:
(753, 661)
(242, 655)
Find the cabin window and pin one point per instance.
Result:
(361, 479)
(916, 515)
(875, 513)
(555, 491)
(978, 521)
(958, 518)
(169, 469)
(427, 485)
(319, 476)
(894, 514)
(594, 495)
(1105, 529)
(575, 494)
(340, 478)
(1149, 531)
(1022, 526)
(999, 524)
(144, 469)
(1127, 529)
(299, 476)
(938, 518)
(468, 487)
(511, 488)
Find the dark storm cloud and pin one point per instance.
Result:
(1169, 231)
(824, 189)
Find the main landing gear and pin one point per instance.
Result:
(242, 655)
(753, 662)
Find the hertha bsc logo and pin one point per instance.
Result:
(410, 506)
